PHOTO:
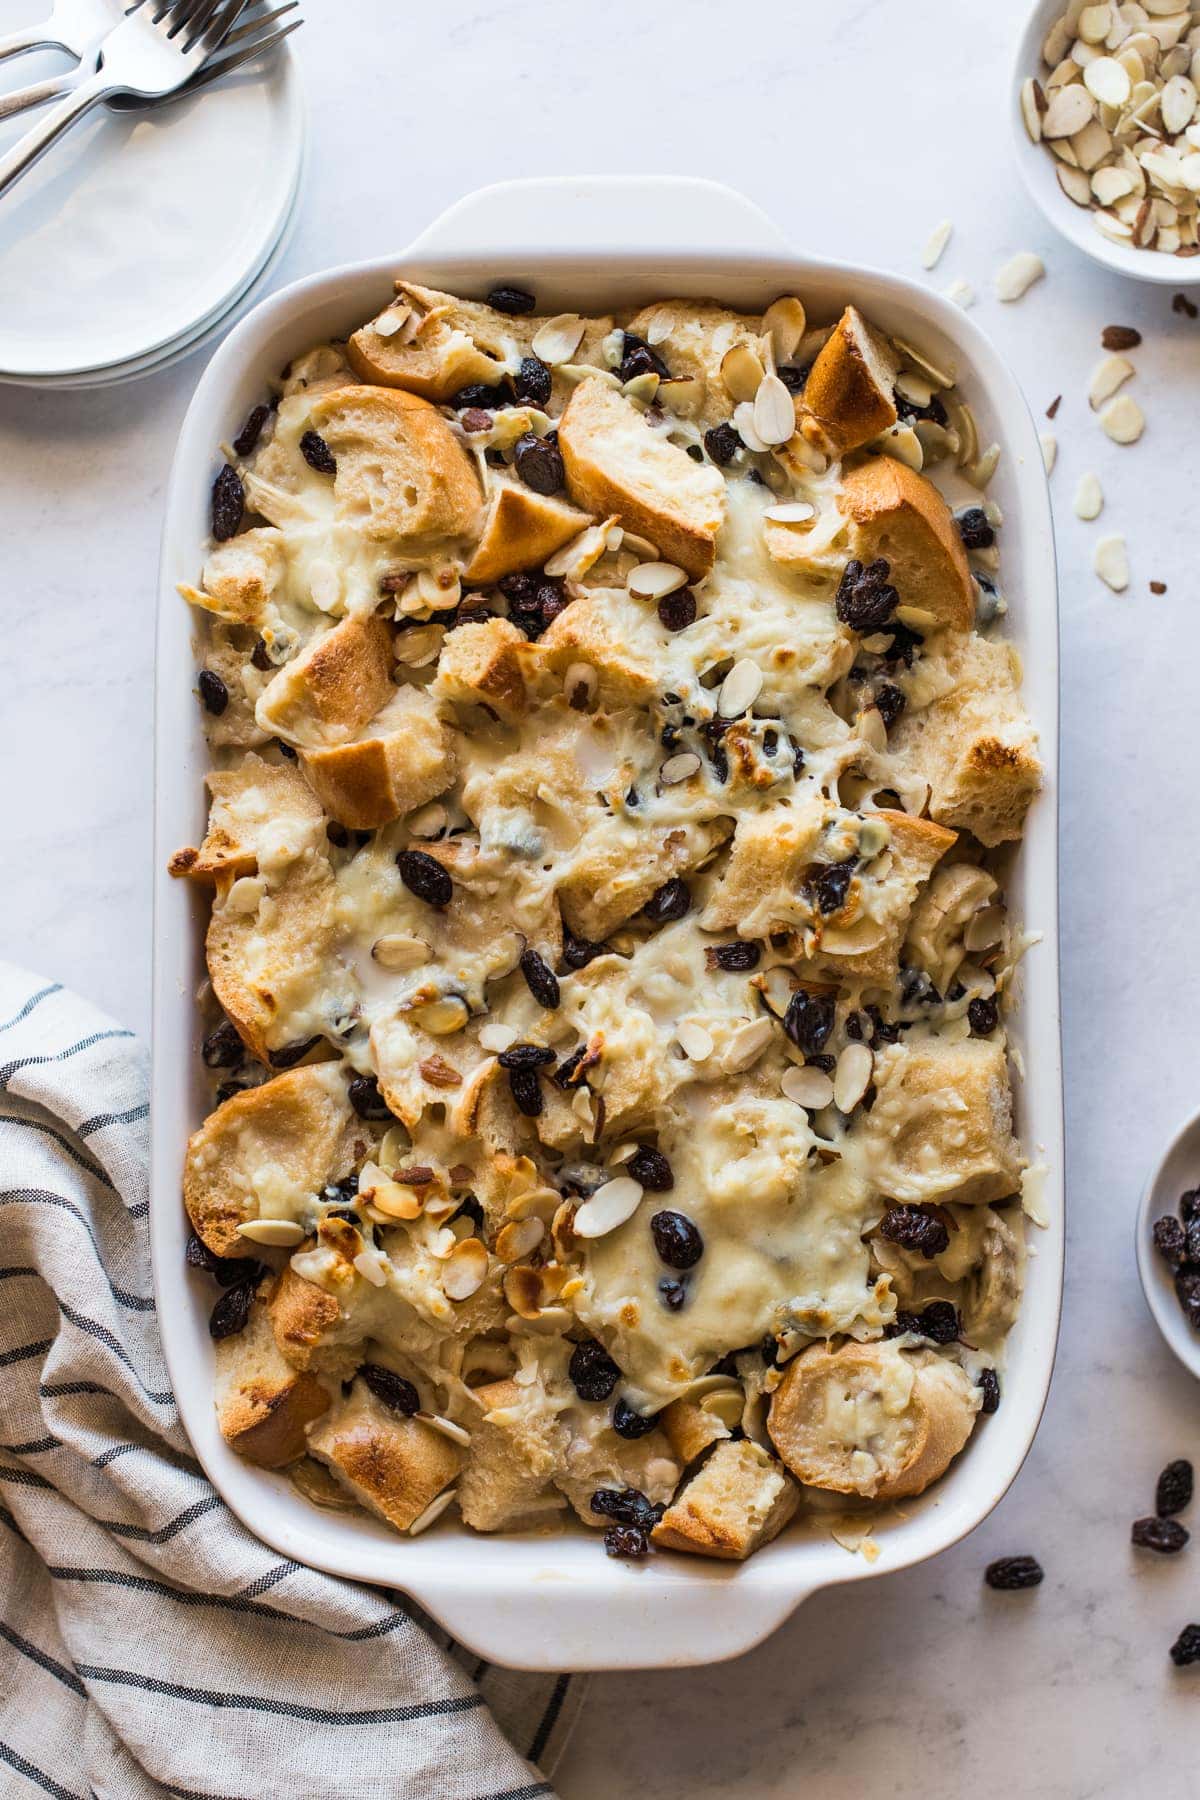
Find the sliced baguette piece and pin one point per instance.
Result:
(617, 463)
(258, 809)
(401, 759)
(449, 344)
(617, 636)
(265, 938)
(402, 475)
(514, 1452)
(336, 685)
(264, 1405)
(393, 1465)
(899, 515)
(522, 529)
(614, 871)
(871, 1419)
(941, 1126)
(690, 1430)
(481, 665)
(312, 1331)
(737, 1501)
(848, 398)
(278, 1143)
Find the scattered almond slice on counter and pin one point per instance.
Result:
(1018, 275)
(1111, 563)
(1108, 375)
(1123, 420)
(962, 294)
(1089, 498)
(1049, 444)
(939, 237)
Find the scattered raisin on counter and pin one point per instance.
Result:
(1166, 1536)
(1120, 337)
(1174, 1489)
(397, 1394)
(1170, 1239)
(1012, 1573)
(593, 1372)
(1186, 1648)
(915, 1229)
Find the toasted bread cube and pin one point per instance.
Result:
(312, 1330)
(514, 1452)
(693, 337)
(871, 1419)
(849, 395)
(278, 1143)
(690, 1430)
(620, 638)
(264, 939)
(941, 1125)
(616, 463)
(739, 1500)
(868, 946)
(242, 577)
(898, 515)
(459, 343)
(522, 529)
(973, 743)
(402, 475)
(402, 759)
(259, 809)
(771, 851)
(393, 1465)
(336, 685)
(264, 1405)
(618, 865)
(480, 665)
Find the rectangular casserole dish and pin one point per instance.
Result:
(556, 1602)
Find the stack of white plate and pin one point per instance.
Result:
(139, 233)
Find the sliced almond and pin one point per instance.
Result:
(917, 388)
(1107, 80)
(694, 1040)
(282, 1234)
(679, 768)
(1108, 375)
(496, 1036)
(465, 1269)
(852, 1077)
(443, 1016)
(428, 821)
(984, 928)
(655, 580)
(740, 688)
(810, 1088)
(746, 1045)
(558, 339)
(1018, 275)
(1111, 563)
(1089, 497)
(581, 554)
(790, 512)
(369, 1264)
(1070, 109)
(784, 322)
(397, 952)
(1095, 22)
(936, 243)
(962, 294)
(1110, 185)
(743, 421)
(742, 372)
(1049, 444)
(431, 1514)
(1091, 145)
(1123, 420)
(774, 411)
(519, 1239)
(449, 1428)
(610, 1206)
(1074, 184)
(1033, 104)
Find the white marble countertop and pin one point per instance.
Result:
(858, 126)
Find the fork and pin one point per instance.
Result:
(155, 49)
(74, 25)
(251, 36)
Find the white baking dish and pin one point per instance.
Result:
(558, 1602)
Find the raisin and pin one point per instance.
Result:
(794, 376)
(511, 300)
(552, 598)
(227, 1089)
(904, 646)
(1191, 1238)
(397, 1394)
(1187, 1291)
(214, 695)
(424, 876)
(882, 1031)
(234, 1271)
(973, 528)
(540, 979)
(539, 463)
(197, 1255)
(476, 419)
(916, 989)
(260, 657)
(532, 381)
(1166, 1536)
(288, 1055)
(367, 1100)
(337, 834)
(695, 452)
(723, 443)
(678, 610)
(247, 438)
(984, 1015)
(471, 1209)
(475, 394)
(223, 1048)
(1189, 1205)
(1014, 1572)
(808, 1020)
(933, 409)
(798, 762)
(629, 1424)
(989, 1387)
(526, 1056)
(890, 702)
(826, 1064)
(673, 1294)
(231, 1312)
(738, 957)
(677, 1240)
(640, 359)
(593, 1372)
(285, 750)
(570, 1070)
(651, 1170)
(940, 1322)
(831, 884)
(669, 902)
(577, 951)
(527, 1092)
(228, 504)
(915, 1229)
(864, 601)
(1186, 1648)
(1174, 1489)
(625, 1540)
(628, 1506)
(317, 454)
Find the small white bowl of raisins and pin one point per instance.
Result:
(1168, 1244)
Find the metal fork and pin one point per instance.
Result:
(249, 41)
(74, 25)
(155, 49)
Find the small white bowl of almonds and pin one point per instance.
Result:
(1106, 116)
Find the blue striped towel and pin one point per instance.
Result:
(148, 1643)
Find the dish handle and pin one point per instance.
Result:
(635, 215)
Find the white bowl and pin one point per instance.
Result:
(1178, 1170)
(1038, 165)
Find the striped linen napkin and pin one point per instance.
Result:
(148, 1643)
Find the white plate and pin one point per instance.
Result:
(136, 229)
(558, 1602)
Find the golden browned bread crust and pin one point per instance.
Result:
(334, 687)
(739, 1500)
(393, 1465)
(264, 1406)
(522, 531)
(848, 397)
(899, 515)
(401, 759)
(402, 475)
